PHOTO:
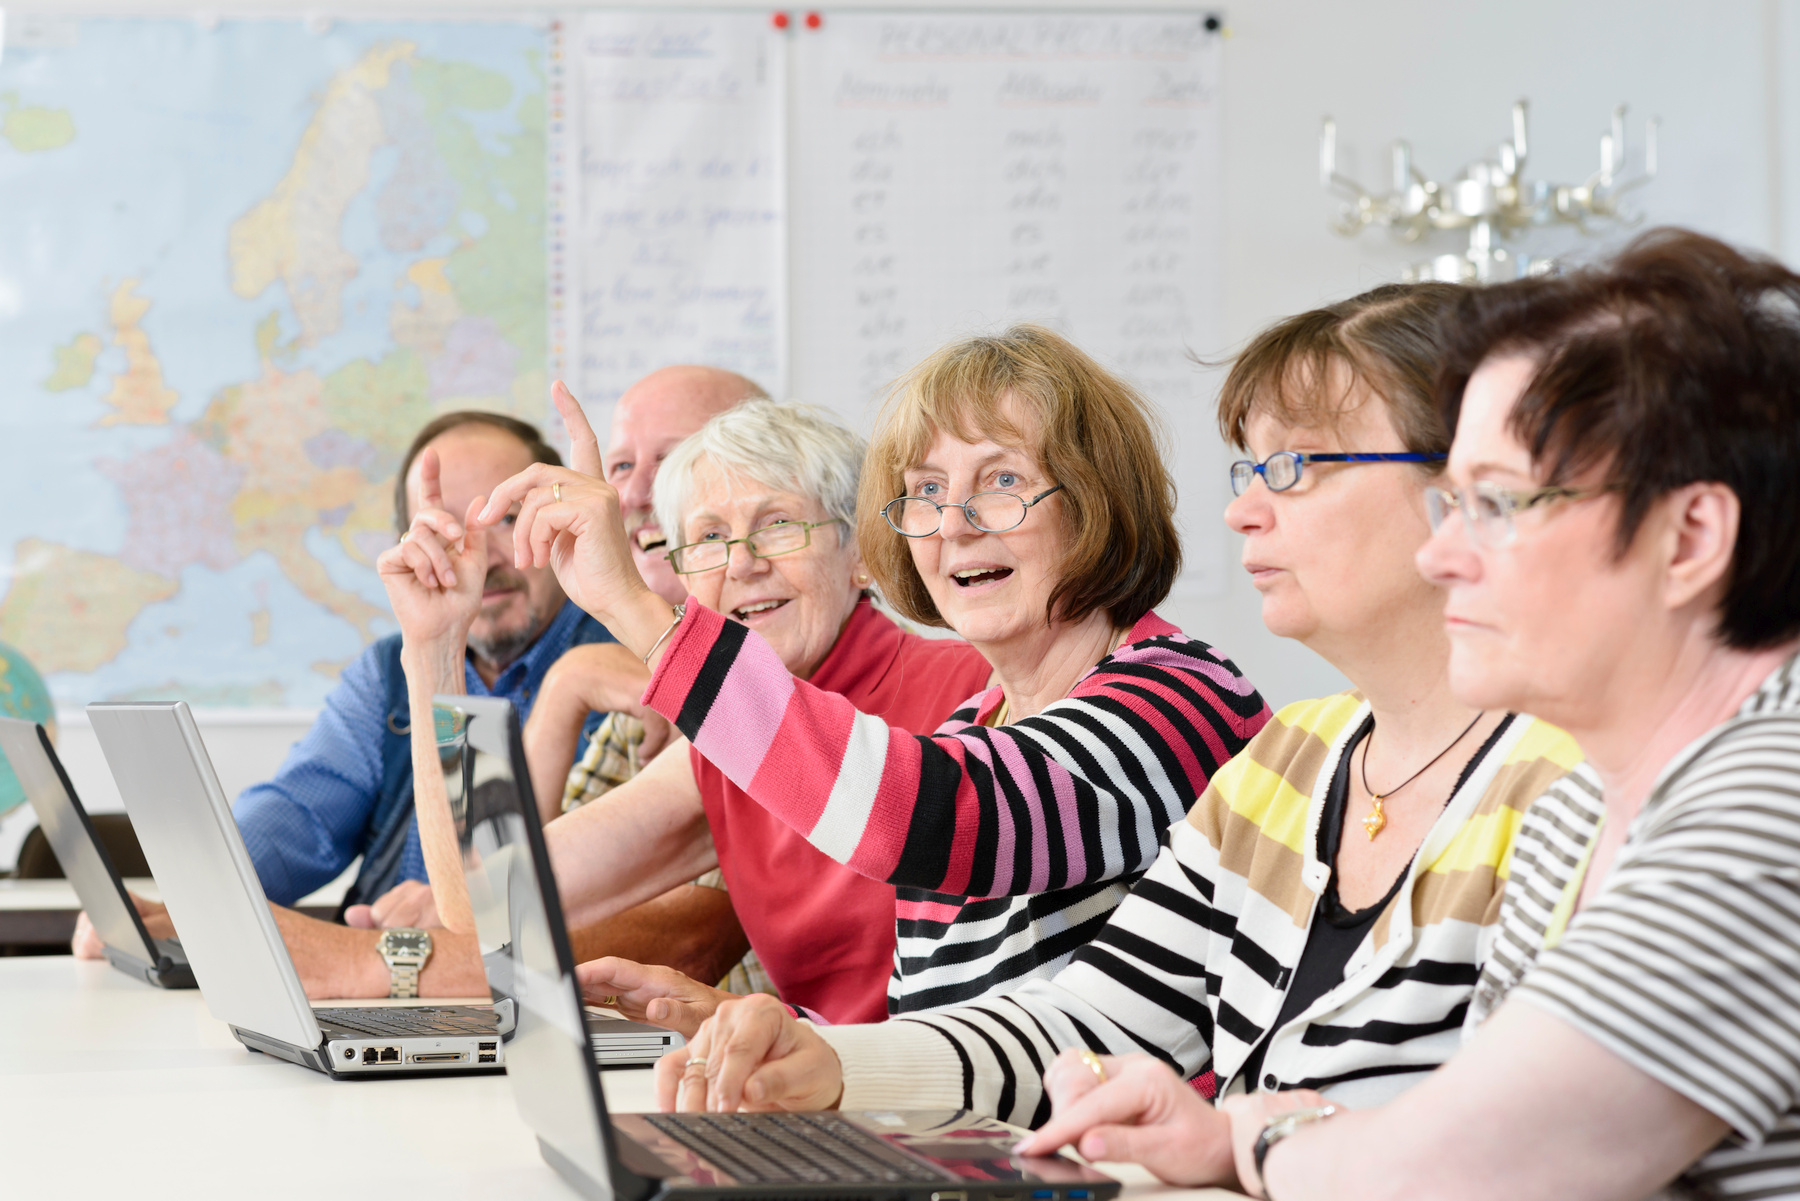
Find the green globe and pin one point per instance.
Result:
(22, 695)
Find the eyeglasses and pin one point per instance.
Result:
(1281, 470)
(989, 512)
(1488, 509)
(781, 538)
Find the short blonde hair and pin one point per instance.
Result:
(1094, 434)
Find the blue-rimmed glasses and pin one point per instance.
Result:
(1281, 470)
(1488, 509)
(781, 538)
(989, 512)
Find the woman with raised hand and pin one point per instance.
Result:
(1320, 917)
(1016, 493)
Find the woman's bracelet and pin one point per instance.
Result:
(680, 612)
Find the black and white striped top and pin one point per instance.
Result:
(1686, 962)
(1195, 964)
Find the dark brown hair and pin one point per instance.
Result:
(1092, 432)
(527, 434)
(1386, 340)
(1676, 363)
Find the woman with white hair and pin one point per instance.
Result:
(762, 500)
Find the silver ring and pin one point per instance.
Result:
(695, 1061)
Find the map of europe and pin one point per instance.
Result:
(241, 263)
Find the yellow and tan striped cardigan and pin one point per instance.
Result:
(1193, 966)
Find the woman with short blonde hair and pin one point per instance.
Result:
(1017, 495)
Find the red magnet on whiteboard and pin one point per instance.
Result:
(814, 20)
(779, 20)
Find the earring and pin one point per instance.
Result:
(862, 579)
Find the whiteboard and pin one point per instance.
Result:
(820, 207)
(954, 173)
(668, 199)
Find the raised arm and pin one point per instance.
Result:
(434, 578)
(638, 841)
(1078, 793)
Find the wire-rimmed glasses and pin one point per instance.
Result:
(1488, 509)
(1281, 470)
(780, 538)
(989, 512)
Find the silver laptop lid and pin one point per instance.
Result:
(519, 924)
(71, 836)
(204, 873)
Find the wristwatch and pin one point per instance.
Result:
(1278, 1128)
(406, 952)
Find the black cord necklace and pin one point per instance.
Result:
(1377, 821)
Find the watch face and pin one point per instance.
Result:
(405, 942)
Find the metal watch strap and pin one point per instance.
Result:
(1278, 1128)
(404, 966)
(405, 980)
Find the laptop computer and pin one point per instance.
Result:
(217, 904)
(912, 1155)
(478, 786)
(89, 869)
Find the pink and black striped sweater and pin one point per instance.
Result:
(1008, 846)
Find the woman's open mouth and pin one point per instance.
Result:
(973, 576)
(746, 612)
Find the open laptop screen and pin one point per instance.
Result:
(519, 924)
(72, 839)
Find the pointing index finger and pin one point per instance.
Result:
(584, 447)
(431, 489)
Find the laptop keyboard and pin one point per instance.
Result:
(412, 1021)
(769, 1148)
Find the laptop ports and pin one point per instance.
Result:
(486, 1057)
(390, 1055)
(349, 1052)
(371, 1054)
(441, 1057)
(487, 1046)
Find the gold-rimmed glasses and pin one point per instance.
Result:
(779, 538)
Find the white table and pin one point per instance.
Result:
(111, 1088)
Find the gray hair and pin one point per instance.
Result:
(792, 447)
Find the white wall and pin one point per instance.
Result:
(1724, 78)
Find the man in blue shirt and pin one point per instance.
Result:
(346, 788)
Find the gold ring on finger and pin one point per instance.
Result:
(609, 1002)
(1094, 1065)
(406, 535)
(556, 493)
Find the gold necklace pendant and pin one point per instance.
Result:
(1376, 821)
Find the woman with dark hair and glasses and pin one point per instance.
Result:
(1014, 492)
(1614, 541)
(1320, 917)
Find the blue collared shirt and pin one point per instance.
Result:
(305, 826)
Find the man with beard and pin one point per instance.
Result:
(346, 788)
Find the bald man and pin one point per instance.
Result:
(654, 414)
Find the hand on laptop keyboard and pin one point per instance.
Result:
(644, 992)
(774, 1061)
